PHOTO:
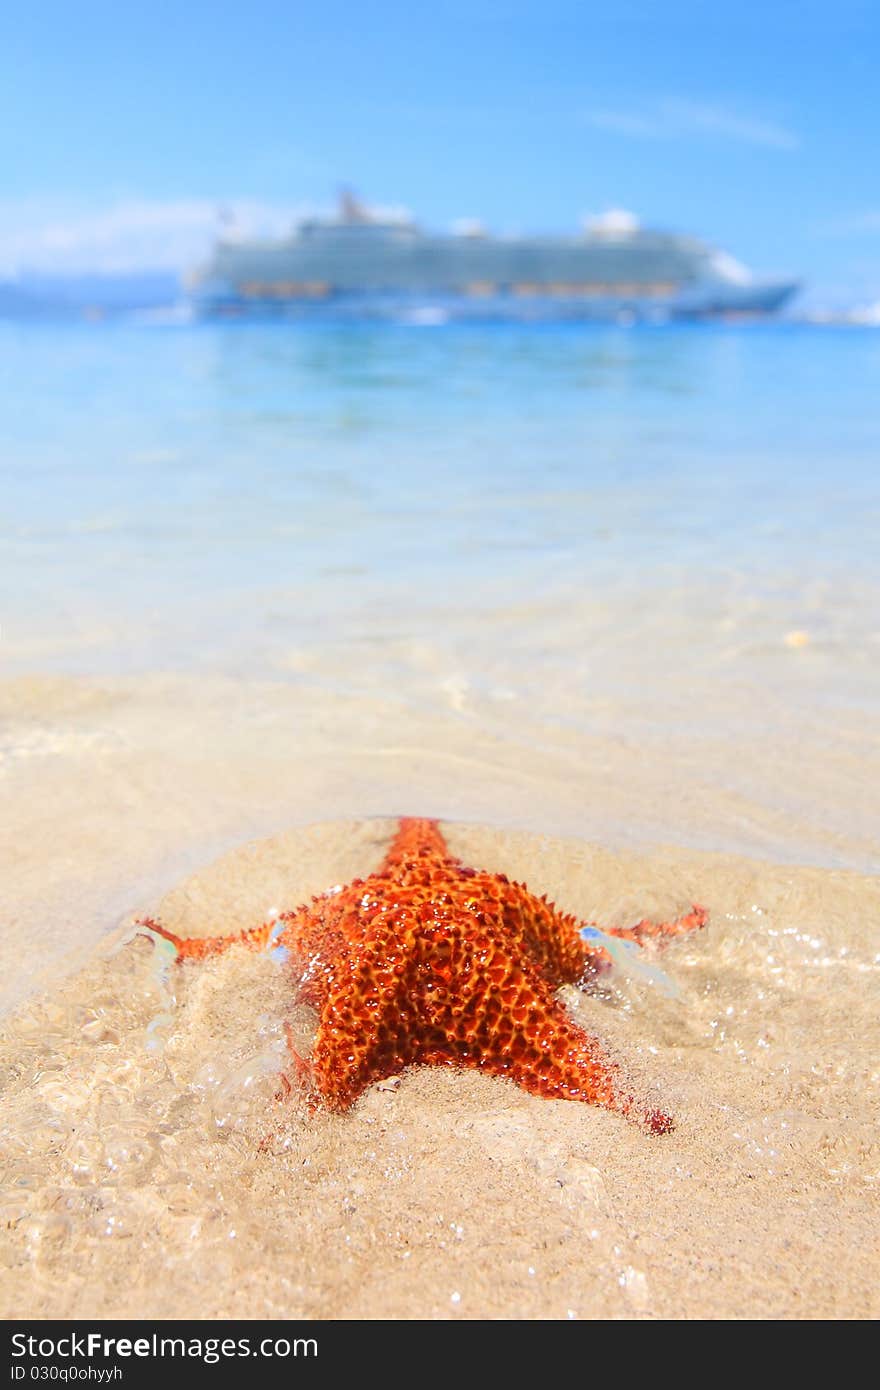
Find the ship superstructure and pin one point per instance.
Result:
(373, 264)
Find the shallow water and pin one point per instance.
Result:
(556, 538)
(220, 496)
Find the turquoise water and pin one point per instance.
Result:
(216, 496)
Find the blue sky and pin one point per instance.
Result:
(756, 126)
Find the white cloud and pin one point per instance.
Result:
(54, 235)
(674, 119)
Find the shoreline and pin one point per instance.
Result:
(122, 786)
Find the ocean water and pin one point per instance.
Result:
(192, 496)
(586, 580)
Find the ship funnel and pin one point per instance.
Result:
(351, 209)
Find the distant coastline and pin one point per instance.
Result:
(88, 295)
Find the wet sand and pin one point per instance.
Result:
(148, 1170)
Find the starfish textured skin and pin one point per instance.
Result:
(428, 961)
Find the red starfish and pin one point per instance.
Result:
(428, 961)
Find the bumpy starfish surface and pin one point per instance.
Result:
(429, 961)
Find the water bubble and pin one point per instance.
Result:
(64, 1092)
(117, 1214)
(130, 1151)
(630, 960)
(45, 1234)
(96, 1028)
(157, 1031)
(13, 1206)
(84, 1156)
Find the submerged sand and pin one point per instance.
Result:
(148, 1170)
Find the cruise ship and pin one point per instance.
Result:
(365, 263)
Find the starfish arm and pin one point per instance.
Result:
(646, 930)
(199, 947)
(364, 1033)
(497, 1012)
(554, 939)
(416, 839)
(564, 1062)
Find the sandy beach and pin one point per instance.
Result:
(148, 1170)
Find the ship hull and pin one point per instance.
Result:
(427, 308)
